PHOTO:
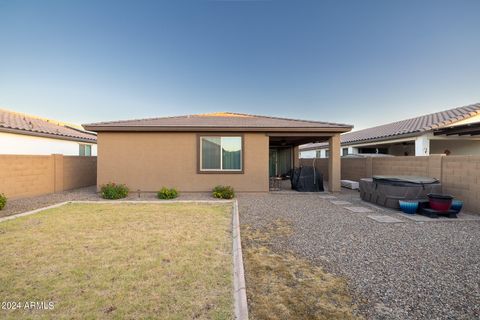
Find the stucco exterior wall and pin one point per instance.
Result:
(11, 143)
(146, 161)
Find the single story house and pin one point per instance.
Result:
(30, 135)
(196, 152)
(420, 136)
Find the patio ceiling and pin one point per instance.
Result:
(292, 140)
(471, 129)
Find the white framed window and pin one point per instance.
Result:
(221, 153)
(85, 150)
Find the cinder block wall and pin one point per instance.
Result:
(461, 178)
(460, 175)
(79, 172)
(409, 166)
(354, 169)
(23, 176)
(26, 175)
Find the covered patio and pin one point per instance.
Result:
(284, 154)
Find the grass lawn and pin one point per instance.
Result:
(97, 261)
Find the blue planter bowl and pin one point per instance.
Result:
(457, 205)
(409, 207)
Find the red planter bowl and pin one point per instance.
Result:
(440, 202)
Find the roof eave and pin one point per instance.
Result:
(381, 139)
(99, 128)
(47, 135)
(386, 138)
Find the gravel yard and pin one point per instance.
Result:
(408, 270)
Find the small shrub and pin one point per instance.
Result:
(3, 201)
(166, 193)
(114, 191)
(223, 192)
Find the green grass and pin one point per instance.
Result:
(115, 261)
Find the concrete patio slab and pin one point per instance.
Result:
(420, 218)
(341, 202)
(327, 197)
(359, 209)
(385, 219)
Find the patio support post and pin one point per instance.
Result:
(334, 163)
(422, 145)
(296, 157)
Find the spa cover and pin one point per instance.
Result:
(406, 179)
(387, 191)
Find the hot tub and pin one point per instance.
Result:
(387, 190)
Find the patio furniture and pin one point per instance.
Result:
(275, 183)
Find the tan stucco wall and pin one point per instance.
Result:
(25, 175)
(146, 161)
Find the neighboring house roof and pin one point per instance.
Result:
(408, 127)
(15, 122)
(220, 121)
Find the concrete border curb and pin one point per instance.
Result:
(27, 213)
(151, 201)
(239, 289)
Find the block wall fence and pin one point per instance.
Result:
(28, 175)
(460, 175)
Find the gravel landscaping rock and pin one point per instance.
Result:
(410, 270)
(15, 206)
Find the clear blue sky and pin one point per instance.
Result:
(357, 62)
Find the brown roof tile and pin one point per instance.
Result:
(17, 122)
(409, 126)
(219, 119)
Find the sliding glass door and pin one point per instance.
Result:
(280, 161)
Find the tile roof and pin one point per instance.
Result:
(26, 124)
(407, 127)
(219, 119)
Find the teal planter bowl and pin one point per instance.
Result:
(457, 205)
(409, 207)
